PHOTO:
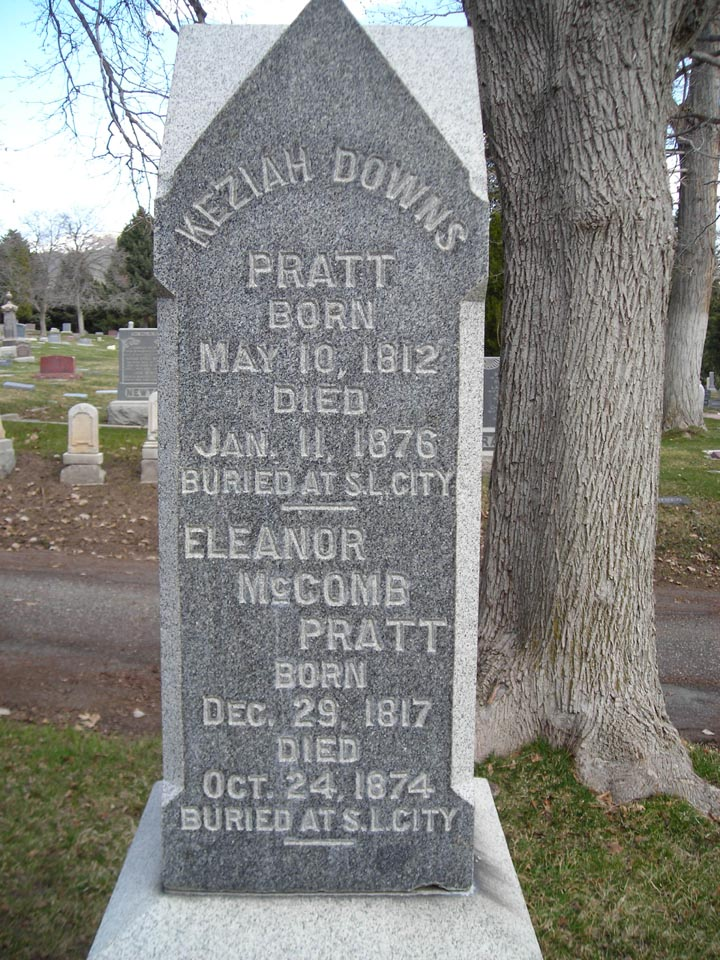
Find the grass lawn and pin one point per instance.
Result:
(601, 882)
(97, 365)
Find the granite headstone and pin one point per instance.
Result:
(321, 238)
(320, 254)
(137, 370)
(137, 363)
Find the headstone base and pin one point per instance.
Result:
(149, 463)
(82, 475)
(7, 457)
(491, 922)
(128, 413)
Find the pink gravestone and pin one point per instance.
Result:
(57, 368)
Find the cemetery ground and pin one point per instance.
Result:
(601, 881)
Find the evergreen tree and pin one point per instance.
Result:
(129, 284)
(16, 271)
(711, 354)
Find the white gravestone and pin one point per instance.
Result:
(82, 460)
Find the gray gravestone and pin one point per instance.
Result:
(317, 356)
(67, 328)
(138, 378)
(491, 384)
(137, 363)
(323, 249)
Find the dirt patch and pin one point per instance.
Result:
(117, 520)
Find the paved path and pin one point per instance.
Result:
(83, 635)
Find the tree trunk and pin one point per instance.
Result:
(574, 101)
(80, 315)
(43, 317)
(691, 288)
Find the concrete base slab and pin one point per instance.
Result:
(490, 922)
(7, 457)
(128, 413)
(82, 475)
(148, 471)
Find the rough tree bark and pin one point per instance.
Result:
(574, 96)
(698, 136)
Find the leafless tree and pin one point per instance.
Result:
(85, 257)
(122, 41)
(44, 233)
(574, 97)
(696, 127)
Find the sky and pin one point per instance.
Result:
(43, 168)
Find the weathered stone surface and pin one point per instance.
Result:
(149, 464)
(82, 460)
(320, 443)
(57, 368)
(128, 413)
(491, 923)
(7, 453)
(137, 359)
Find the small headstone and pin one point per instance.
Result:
(30, 329)
(84, 342)
(54, 337)
(149, 464)
(7, 453)
(711, 381)
(9, 311)
(59, 367)
(674, 501)
(23, 351)
(491, 383)
(67, 328)
(82, 460)
(20, 331)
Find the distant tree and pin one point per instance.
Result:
(84, 260)
(45, 233)
(711, 353)
(16, 271)
(697, 130)
(129, 283)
